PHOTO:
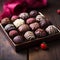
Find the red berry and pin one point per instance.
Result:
(43, 46)
(58, 11)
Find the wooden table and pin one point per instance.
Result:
(8, 53)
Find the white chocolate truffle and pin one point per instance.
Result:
(51, 29)
(18, 22)
(39, 18)
(24, 15)
(29, 35)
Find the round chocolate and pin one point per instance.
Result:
(33, 13)
(44, 23)
(23, 28)
(29, 35)
(14, 17)
(40, 33)
(18, 39)
(30, 20)
(39, 18)
(51, 29)
(24, 15)
(9, 27)
(13, 33)
(18, 22)
(5, 21)
(34, 26)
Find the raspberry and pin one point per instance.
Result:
(58, 11)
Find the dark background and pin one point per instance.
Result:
(7, 52)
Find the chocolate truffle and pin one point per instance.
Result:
(23, 28)
(30, 20)
(29, 35)
(24, 15)
(9, 27)
(40, 33)
(18, 22)
(44, 23)
(18, 39)
(13, 33)
(14, 17)
(34, 26)
(39, 18)
(51, 29)
(33, 13)
(5, 21)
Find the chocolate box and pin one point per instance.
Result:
(30, 43)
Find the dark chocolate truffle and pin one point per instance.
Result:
(5, 21)
(30, 20)
(51, 29)
(29, 35)
(34, 26)
(24, 15)
(13, 33)
(33, 13)
(44, 23)
(14, 17)
(40, 33)
(9, 27)
(18, 39)
(23, 28)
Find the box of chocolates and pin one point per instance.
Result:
(28, 29)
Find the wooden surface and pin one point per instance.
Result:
(8, 53)
(54, 47)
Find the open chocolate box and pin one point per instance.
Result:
(29, 29)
